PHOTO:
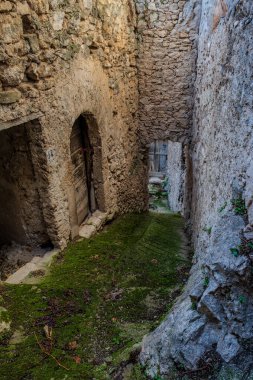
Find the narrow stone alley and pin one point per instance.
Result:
(108, 109)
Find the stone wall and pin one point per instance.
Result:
(223, 175)
(213, 318)
(167, 32)
(63, 58)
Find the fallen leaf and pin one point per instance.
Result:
(77, 359)
(73, 345)
(48, 332)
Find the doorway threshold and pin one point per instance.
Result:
(38, 267)
(33, 271)
(93, 224)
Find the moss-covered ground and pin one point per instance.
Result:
(101, 297)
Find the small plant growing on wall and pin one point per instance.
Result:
(158, 377)
(242, 299)
(239, 206)
(245, 248)
(208, 230)
(235, 252)
(222, 208)
(206, 282)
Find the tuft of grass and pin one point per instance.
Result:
(101, 296)
(242, 299)
(208, 230)
(222, 208)
(239, 206)
(206, 282)
(235, 251)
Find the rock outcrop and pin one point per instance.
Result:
(215, 312)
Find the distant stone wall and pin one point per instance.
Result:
(62, 58)
(167, 32)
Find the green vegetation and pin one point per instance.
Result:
(158, 197)
(208, 230)
(235, 251)
(239, 206)
(222, 208)
(242, 299)
(206, 282)
(101, 297)
(245, 248)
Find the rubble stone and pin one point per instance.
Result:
(9, 97)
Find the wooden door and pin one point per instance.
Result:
(77, 147)
(158, 157)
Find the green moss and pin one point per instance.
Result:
(103, 294)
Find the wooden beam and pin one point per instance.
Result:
(21, 120)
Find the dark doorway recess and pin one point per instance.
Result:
(86, 158)
(21, 216)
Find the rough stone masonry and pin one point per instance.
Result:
(167, 41)
(167, 37)
(60, 59)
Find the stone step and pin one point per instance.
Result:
(94, 223)
(25, 273)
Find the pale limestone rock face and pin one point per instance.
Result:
(249, 193)
(215, 312)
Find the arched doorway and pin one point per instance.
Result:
(85, 150)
